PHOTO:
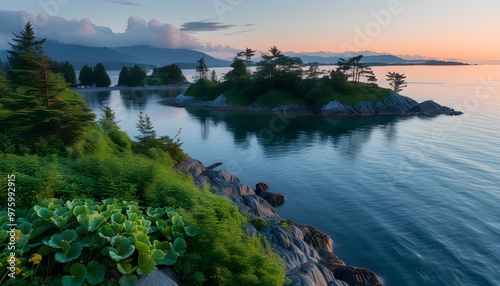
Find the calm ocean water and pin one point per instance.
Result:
(417, 200)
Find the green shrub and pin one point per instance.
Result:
(81, 241)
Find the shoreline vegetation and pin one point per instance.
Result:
(281, 83)
(93, 206)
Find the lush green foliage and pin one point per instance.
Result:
(93, 242)
(132, 76)
(280, 79)
(66, 69)
(55, 150)
(170, 74)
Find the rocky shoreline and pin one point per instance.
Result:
(308, 252)
(393, 104)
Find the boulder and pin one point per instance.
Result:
(397, 104)
(273, 198)
(431, 108)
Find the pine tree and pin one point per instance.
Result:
(145, 127)
(124, 77)
(68, 70)
(101, 76)
(396, 80)
(24, 58)
(86, 76)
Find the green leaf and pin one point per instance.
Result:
(95, 221)
(55, 241)
(125, 268)
(192, 230)
(157, 254)
(118, 218)
(169, 259)
(65, 246)
(141, 247)
(24, 227)
(177, 221)
(128, 280)
(44, 250)
(96, 272)
(44, 213)
(180, 245)
(123, 251)
(107, 230)
(78, 272)
(80, 210)
(73, 253)
(167, 232)
(129, 227)
(163, 245)
(146, 264)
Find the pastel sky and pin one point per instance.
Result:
(444, 29)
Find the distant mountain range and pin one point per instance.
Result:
(149, 57)
(115, 58)
(373, 60)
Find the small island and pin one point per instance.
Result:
(280, 83)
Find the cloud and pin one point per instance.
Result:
(126, 3)
(238, 32)
(84, 32)
(202, 26)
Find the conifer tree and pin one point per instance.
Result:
(101, 77)
(124, 77)
(86, 76)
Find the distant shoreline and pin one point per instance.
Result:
(119, 87)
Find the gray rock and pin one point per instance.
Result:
(398, 104)
(334, 108)
(161, 277)
(261, 189)
(221, 101)
(307, 252)
(431, 108)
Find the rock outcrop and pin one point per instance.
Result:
(393, 104)
(307, 251)
(272, 198)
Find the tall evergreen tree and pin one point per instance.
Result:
(201, 69)
(101, 77)
(137, 76)
(124, 77)
(86, 76)
(24, 59)
(68, 70)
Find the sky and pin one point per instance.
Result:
(463, 30)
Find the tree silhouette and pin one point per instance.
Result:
(86, 76)
(124, 76)
(101, 76)
(396, 81)
(201, 69)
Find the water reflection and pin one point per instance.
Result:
(286, 134)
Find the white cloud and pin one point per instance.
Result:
(84, 32)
